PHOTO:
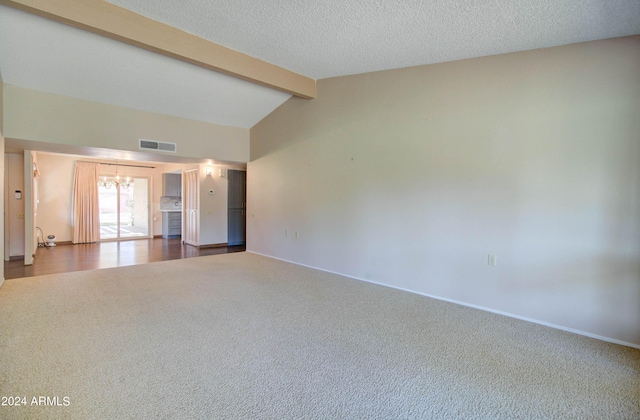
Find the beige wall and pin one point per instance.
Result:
(3, 227)
(14, 208)
(2, 193)
(29, 197)
(412, 177)
(1, 105)
(55, 191)
(141, 194)
(40, 116)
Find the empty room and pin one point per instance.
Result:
(437, 206)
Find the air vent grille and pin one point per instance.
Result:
(162, 146)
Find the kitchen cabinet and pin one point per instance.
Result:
(171, 185)
(171, 224)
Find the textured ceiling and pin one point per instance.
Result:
(326, 38)
(319, 39)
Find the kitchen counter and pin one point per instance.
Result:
(178, 210)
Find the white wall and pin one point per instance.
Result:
(412, 177)
(14, 208)
(46, 117)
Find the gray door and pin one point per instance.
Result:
(237, 207)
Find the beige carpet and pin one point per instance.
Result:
(243, 336)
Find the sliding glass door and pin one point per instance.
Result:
(124, 209)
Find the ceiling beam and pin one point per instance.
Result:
(114, 22)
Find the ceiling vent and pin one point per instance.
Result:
(161, 146)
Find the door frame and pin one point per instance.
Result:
(241, 207)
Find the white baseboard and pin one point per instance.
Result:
(482, 308)
(2, 281)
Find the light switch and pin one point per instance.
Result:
(491, 260)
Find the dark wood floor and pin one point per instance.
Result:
(67, 258)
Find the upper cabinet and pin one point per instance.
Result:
(172, 185)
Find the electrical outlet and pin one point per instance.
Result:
(491, 260)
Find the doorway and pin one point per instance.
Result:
(124, 209)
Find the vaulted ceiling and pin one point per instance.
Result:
(319, 39)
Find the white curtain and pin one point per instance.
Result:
(86, 215)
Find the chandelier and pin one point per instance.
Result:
(108, 182)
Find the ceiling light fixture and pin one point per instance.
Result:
(108, 182)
